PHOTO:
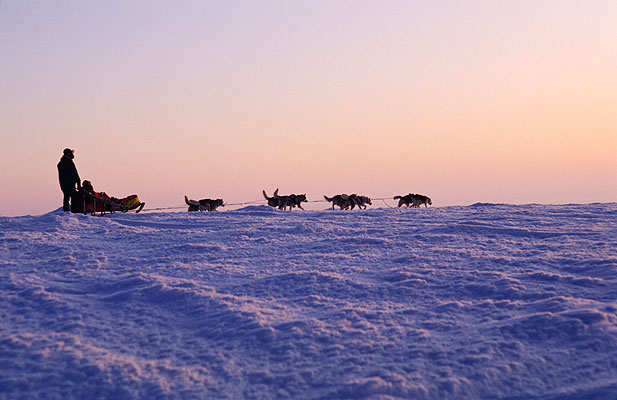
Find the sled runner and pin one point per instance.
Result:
(88, 201)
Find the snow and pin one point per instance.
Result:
(483, 301)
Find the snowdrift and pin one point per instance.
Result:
(485, 301)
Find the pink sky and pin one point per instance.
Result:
(475, 101)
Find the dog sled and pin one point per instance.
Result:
(88, 201)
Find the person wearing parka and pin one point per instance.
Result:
(69, 178)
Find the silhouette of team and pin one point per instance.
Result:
(80, 198)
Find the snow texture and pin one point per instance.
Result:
(479, 302)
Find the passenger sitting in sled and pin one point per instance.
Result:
(88, 200)
(87, 187)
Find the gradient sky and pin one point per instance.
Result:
(465, 101)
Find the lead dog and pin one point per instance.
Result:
(413, 200)
(203, 204)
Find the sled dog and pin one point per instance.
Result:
(274, 200)
(340, 200)
(347, 202)
(283, 201)
(413, 200)
(293, 200)
(203, 204)
(360, 201)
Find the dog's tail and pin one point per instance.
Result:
(328, 198)
(397, 197)
(275, 195)
(190, 202)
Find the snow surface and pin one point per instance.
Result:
(483, 301)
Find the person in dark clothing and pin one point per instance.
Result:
(69, 178)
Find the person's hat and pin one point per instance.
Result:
(69, 152)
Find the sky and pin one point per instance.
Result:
(463, 101)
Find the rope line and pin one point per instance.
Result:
(246, 202)
(384, 201)
(163, 208)
(258, 202)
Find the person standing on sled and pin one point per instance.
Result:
(69, 178)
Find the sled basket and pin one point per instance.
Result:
(93, 202)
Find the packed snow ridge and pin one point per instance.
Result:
(479, 302)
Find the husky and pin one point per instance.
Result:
(406, 200)
(273, 201)
(348, 202)
(340, 200)
(291, 201)
(360, 201)
(420, 199)
(413, 200)
(203, 204)
(282, 202)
